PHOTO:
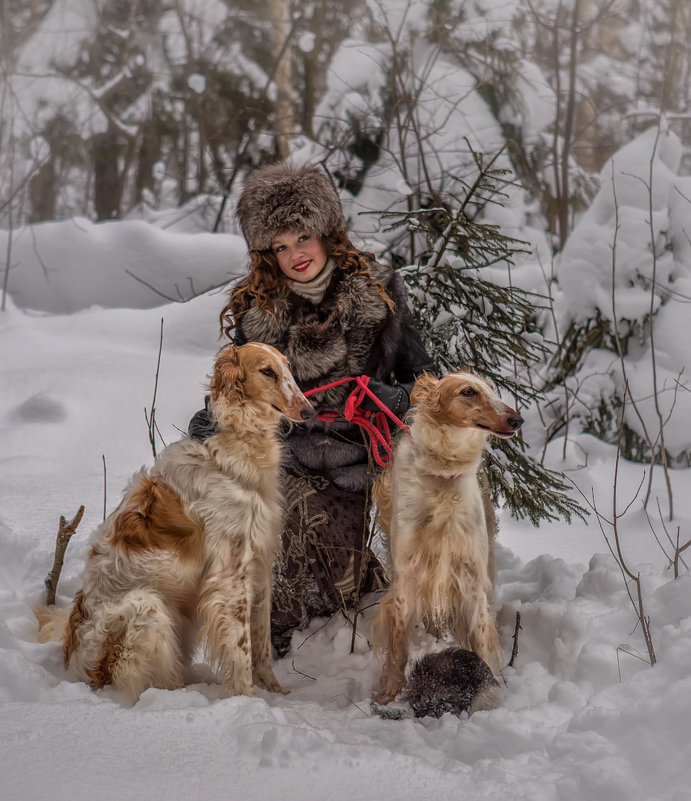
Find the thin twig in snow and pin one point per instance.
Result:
(65, 532)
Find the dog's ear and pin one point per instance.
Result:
(425, 391)
(228, 375)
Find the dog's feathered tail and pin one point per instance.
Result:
(52, 623)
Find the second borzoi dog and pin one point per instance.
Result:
(431, 510)
(193, 542)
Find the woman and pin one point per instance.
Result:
(335, 313)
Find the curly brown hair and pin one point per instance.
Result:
(265, 282)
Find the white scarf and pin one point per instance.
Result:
(315, 289)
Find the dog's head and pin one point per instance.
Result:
(465, 400)
(258, 375)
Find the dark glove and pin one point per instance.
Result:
(393, 396)
(202, 425)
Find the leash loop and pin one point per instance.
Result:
(376, 424)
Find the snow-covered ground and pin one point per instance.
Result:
(583, 718)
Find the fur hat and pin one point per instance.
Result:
(285, 197)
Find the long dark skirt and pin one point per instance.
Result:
(324, 563)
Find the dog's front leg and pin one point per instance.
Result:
(484, 637)
(394, 614)
(260, 626)
(224, 609)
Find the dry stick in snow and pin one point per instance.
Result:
(306, 675)
(367, 536)
(660, 438)
(105, 484)
(65, 531)
(658, 411)
(151, 419)
(620, 346)
(549, 281)
(8, 261)
(514, 650)
(679, 549)
(635, 577)
(627, 574)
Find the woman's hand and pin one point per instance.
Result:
(202, 425)
(393, 396)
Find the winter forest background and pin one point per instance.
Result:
(526, 164)
(130, 110)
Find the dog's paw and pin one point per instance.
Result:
(390, 685)
(267, 679)
(275, 687)
(385, 696)
(230, 690)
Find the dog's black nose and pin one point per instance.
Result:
(310, 414)
(514, 422)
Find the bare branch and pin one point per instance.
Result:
(180, 298)
(151, 419)
(65, 532)
(514, 650)
(105, 484)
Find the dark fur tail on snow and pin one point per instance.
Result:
(454, 680)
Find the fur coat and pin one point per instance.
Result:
(350, 332)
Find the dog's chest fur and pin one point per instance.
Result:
(213, 483)
(435, 500)
(233, 492)
(438, 532)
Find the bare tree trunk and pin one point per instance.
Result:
(109, 178)
(280, 16)
(106, 176)
(8, 120)
(183, 160)
(680, 30)
(202, 171)
(569, 126)
(149, 154)
(311, 66)
(42, 193)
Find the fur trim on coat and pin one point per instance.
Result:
(284, 197)
(351, 332)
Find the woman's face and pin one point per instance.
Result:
(300, 256)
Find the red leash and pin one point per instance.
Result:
(374, 423)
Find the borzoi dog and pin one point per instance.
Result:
(192, 543)
(430, 507)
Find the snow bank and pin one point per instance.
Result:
(63, 267)
(627, 260)
(583, 719)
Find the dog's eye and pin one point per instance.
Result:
(267, 371)
(468, 392)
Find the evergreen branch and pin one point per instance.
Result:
(468, 322)
(529, 490)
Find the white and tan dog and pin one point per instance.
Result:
(192, 544)
(431, 509)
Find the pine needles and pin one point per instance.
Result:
(469, 320)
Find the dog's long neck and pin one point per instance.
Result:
(247, 438)
(447, 452)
